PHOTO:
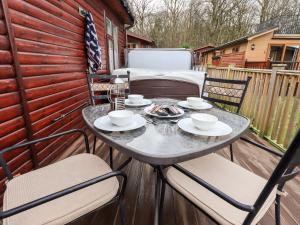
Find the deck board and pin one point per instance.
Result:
(139, 195)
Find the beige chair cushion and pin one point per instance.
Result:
(104, 86)
(235, 181)
(56, 177)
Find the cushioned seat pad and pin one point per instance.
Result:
(56, 177)
(235, 181)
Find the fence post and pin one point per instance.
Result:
(266, 120)
(229, 69)
(209, 69)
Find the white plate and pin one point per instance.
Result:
(220, 128)
(204, 105)
(147, 111)
(144, 103)
(104, 123)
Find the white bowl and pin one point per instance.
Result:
(136, 99)
(194, 101)
(120, 117)
(203, 121)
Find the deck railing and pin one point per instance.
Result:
(290, 65)
(272, 101)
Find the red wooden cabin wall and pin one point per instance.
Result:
(238, 59)
(49, 37)
(12, 125)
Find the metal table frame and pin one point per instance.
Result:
(156, 162)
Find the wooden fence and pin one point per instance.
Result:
(289, 65)
(272, 101)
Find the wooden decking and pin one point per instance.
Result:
(139, 196)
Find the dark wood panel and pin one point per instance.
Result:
(50, 109)
(1, 13)
(48, 155)
(67, 8)
(5, 57)
(11, 126)
(36, 24)
(8, 85)
(44, 122)
(39, 81)
(2, 27)
(44, 59)
(58, 147)
(9, 113)
(4, 43)
(56, 98)
(55, 88)
(36, 12)
(38, 47)
(6, 71)
(37, 70)
(56, 127)
(153, 88)
(13, 138)
(9, 99)
(60, 10)
(34, 35)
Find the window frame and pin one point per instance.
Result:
(110, 38)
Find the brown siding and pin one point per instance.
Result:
(12, 125)
(238, 59)
(49, 36)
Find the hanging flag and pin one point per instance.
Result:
(92, 44)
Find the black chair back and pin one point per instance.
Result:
(99, 85)
(225, 91)
(286, 169)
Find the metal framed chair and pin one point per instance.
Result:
(228, 193)
(98, 87)
(225, 92)
(61, 192)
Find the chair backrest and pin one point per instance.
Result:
(284, 171)
(225, 91)
(99, 85)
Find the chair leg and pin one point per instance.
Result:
(277, 210)
(122, 211)
(231, 153)
(94, 145)
(111, 157)
(121, 202)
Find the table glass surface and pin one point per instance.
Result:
(165, 143)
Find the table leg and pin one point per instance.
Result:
(159, 191)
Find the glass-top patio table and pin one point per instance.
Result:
(163, 143)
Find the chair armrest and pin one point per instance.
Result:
(214, 190)
(24, 144)
(64, 192)
(288, 175)
(262, 147)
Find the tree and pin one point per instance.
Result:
(174, 23)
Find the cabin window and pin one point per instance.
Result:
(235, 49)
(109, 27)
(291, 53)
(276, 53)
(113, 44)
(116, 49)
